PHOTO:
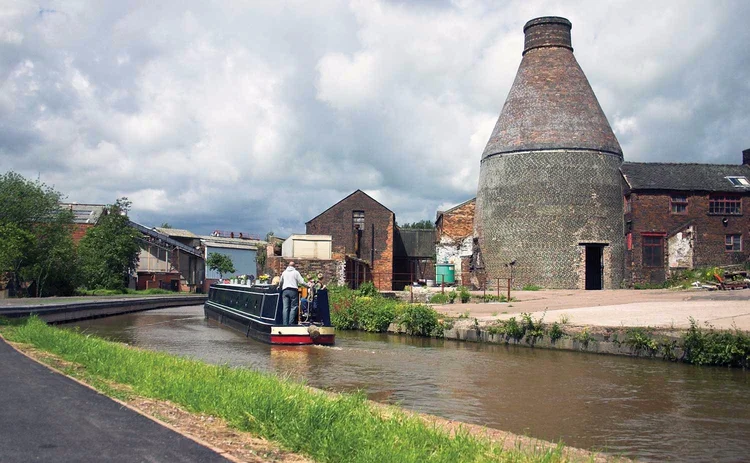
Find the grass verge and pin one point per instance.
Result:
(327, 427)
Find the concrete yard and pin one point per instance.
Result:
(660, 308)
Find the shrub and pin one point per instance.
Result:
(420, 319)
(531, 288)
(711, 347)
(452, 296)
(464, 294)
(555, 332)
(368, 289)
(375, 314)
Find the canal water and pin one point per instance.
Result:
(648, 409)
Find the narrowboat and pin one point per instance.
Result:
(256, 311)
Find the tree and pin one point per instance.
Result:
(421, 225)
(36, 246)
(165, 225)
(108, 253)
(220, 263)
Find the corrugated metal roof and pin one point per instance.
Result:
(178, 232)
(684, 177)
(251, 246)
(85, 213)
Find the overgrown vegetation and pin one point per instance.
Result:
(531, 288)
(712, 347)
(367, 310)
(326, 427)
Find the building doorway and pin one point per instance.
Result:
(594, 266)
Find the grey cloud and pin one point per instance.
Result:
(207, 112)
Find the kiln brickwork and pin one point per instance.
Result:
(549, 184)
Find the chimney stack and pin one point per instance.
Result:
(746, 157)
(548, 31)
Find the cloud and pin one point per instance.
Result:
(257, 117)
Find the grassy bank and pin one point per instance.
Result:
(327, 427)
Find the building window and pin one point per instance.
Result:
(358, 220)
(678, 204)
(738, 181)
(628, 204)
(725, 204)
(733, 242)
(653, 251)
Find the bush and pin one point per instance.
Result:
(420, 320)
(375, 314)
(465, 294)
(531, 288)
(711, 347)
(452, 296)
(368, 289)
(352, 311)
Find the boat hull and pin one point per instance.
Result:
(256, 312)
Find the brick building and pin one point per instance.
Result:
(85, 216)
(681, 216)
(454, 237)
(363, 230)
(549, 195)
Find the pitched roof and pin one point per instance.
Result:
(349, 196)
(685, 177)
(439, 213)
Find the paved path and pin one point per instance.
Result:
(46, 416)
(614, 308)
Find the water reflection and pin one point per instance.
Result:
(654, 410)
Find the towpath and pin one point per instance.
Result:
(618, 308)
(49, 417)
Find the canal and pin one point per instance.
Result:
(648, 409)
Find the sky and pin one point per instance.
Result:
(256, 116)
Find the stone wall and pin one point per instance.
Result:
(332, 270)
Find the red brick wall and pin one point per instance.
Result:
(79, 231)
(337, 222)
(651, 213)
(458, 223)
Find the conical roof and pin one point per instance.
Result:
(551, 104)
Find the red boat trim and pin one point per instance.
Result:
(300, 339)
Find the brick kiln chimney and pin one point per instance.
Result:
(549, 192)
